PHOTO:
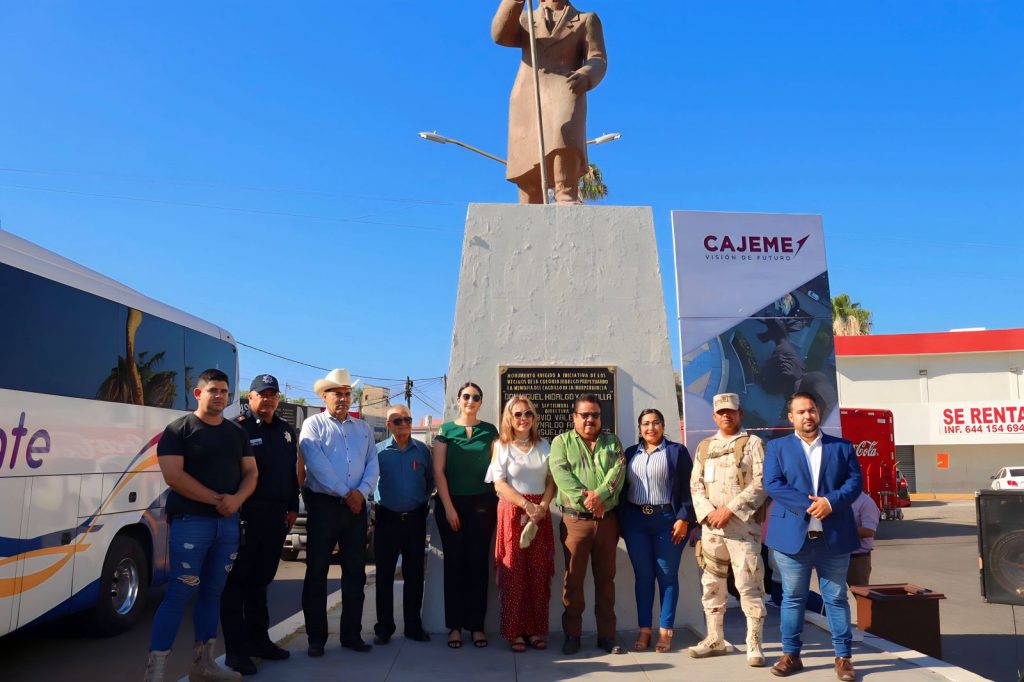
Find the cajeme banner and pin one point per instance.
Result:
(755, 317)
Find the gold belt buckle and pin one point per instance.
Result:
(647, 509)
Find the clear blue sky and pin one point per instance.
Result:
(257, 163)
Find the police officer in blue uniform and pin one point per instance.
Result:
(266, 516)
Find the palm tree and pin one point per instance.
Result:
(592, 185)
(849, 318)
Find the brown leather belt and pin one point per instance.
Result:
(814, 534)
(573, 514)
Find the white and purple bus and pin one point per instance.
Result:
(91, 372)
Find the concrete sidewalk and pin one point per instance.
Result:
(404, 660)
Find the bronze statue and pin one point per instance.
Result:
(571, 60)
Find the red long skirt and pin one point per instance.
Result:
(524, 575)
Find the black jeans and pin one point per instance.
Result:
(467, 559)
(243, 604)
(329, 522)
(405, 534)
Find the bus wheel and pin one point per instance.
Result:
(123, 586)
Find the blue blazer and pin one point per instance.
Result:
(787, 478)
(680, 464)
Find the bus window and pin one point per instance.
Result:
(58, 340)
(151, 360)
(203, 352)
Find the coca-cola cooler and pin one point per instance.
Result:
(871, 432)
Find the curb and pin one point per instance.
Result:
(939, 667)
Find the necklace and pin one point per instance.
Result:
(522, 442)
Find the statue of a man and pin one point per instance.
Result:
(571, 59)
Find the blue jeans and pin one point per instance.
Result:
(796, 583)
(201, 553)
(654, 557)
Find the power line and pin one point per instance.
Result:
(257, 211)
(201, 183)
(419, 396)
(325, 369)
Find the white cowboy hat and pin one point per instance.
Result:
(336, 378)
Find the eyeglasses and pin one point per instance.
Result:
(645, 425)
(596, 416)
(401, 420)
(520, 415)
(475, 397)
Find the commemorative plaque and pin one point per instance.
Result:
(554, 389)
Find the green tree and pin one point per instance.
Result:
(849, 318)
(592, 187)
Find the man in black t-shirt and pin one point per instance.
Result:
(209, 466)
(267, 516)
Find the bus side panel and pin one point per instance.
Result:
(12, 507)
(50, 545)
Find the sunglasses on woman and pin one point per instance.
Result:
(475, 397)
(520, 415)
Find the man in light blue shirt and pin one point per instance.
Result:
(406, 482)
(341, 473)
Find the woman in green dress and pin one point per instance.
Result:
(466, 514)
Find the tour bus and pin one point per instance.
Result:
(91, 372)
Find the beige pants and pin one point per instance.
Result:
(748, 570)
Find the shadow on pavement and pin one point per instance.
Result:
(922, 529)
(997, 657)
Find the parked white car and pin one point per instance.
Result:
(1009, 478)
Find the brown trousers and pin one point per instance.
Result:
(859, 572)
(594, 542)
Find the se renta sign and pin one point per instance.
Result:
(996, 421)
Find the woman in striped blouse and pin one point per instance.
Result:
(656, 516)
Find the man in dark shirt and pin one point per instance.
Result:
(266, 518)
(406, 482)
(210, 468)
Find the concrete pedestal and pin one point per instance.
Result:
(565, 285)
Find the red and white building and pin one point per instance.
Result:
(955, 397)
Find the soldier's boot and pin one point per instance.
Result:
(156, 666)
(755, 656)
(204, 667)
(714, 644)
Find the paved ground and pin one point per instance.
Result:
(62, 650)
(402, 661)
(936, 547)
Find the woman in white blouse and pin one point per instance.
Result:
(519, 472)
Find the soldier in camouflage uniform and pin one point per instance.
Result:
(727, 485)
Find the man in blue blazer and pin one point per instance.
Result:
(813, 479)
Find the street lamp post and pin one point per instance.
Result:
(441, 139)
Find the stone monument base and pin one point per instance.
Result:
(565, 286)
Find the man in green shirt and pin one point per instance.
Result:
(589, 469)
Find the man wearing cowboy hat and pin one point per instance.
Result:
(341, 474)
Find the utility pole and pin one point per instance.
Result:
(408, 392)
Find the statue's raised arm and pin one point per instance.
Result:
(571, 60)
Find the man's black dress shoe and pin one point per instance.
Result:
(381, 639)
(315, 650)
(269, 651)
(417, 635)
(571, 646)
(240, 663)
(608, 645)
(357, 645)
